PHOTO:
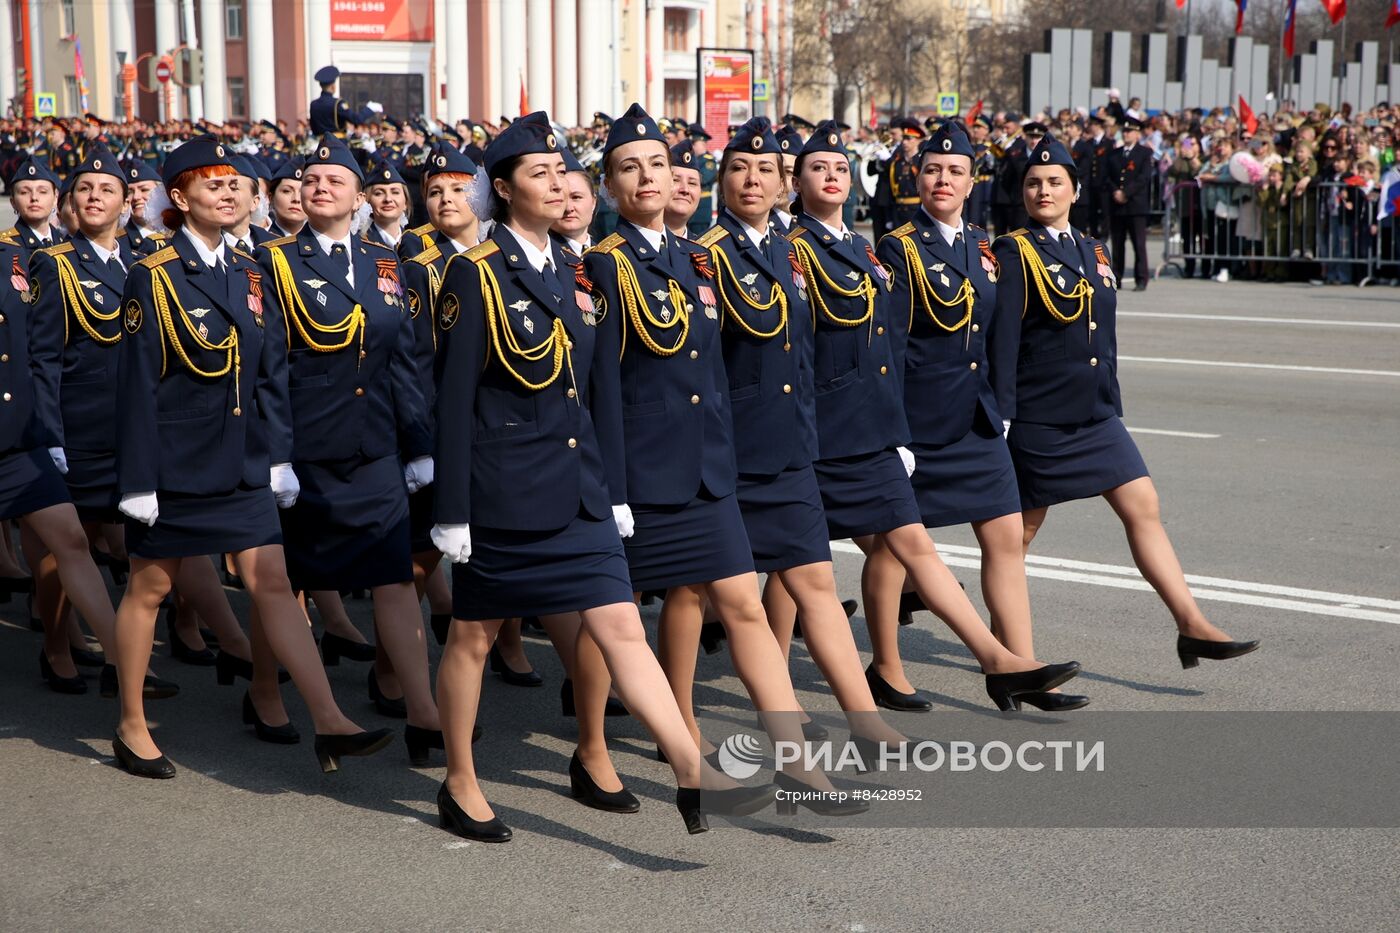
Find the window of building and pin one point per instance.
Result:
(71, 103)
(400, 94)
(233, 19)
(679, 97)
(238, 98)
(70, 20)
(677, 29)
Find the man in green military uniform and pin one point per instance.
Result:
(703, 218)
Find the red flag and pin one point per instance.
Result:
(1394, 16)
(1247, 117)
(1181, 4)
(1290, 21)
(1239, 15)
(524, 100)
(976, 110)
(874, 119)
(1336, 9)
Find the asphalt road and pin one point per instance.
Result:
(1280, 483)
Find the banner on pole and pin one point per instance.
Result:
(725, 79)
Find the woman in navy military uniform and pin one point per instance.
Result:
(361, 433)
(285, 196)
(203, 442)
(524, 509)
(863, 469)
(243, 234)
(142, 234)
(452, 197)
(34, 196)
(660, 377)
(1054, 358)
(386, 197)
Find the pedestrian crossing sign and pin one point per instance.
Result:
(947, 105)
(760, 89)
(45, 105)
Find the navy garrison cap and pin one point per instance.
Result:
(384, 173)
(683, 155)
(290, 170)
(530, 135)
(99, 161)
(789, 140)
(328, 75)
(825, 138)
(445, 160)
(1050, 151)
(571, 162)
(633, 126)
(949, 139)
(200, 152)
(250, 166)
(141, 170)
(33, 169)
(698, 132)
(756, 137)
(332, 151)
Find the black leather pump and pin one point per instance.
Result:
(285, 734)
(584, 789)
(1192, 650)
(333, 648)
(734, 801)
(159, 768)
(1005, 688)
(73, 686)
(890, 698)
(513, 677)
(331, 748)
(454, 819)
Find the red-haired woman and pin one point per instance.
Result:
(202, 458)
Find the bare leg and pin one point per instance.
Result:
(458, 695)
(198, 586)
(591, 683)
(58, 529)
(1139, 509)
(881, 583)
(781, 611)
(282, 623)
(399, 624)
(677, 648)
(1004, 582)
(334, 618)
(134, 633)
(511, 648)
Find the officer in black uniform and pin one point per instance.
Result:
(272, 146)
(330, 114)
(1130, 172)
(34, 195)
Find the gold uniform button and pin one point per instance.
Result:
(359, 391)
(1093, 325)
(1093, 361)
(571, 393)
(7, 396)
(363, 354)
(2, 319)
(695, 354)
(569, 344)
(695, 400)
(884, 370)
(879, 330)
(976, 328)
(974, 364)
(787, 390)
(573, 442)
(4, 357)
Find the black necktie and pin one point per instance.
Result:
(114, 266)
(341, 257)
(219, 272)
(1067, 241)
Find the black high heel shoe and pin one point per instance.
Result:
(454, 819)
(154, 688)
(566, 702)
(513, 677)
(10, 585)
(159, 768)
(848, 606)
(228, 666)
(86, 657)
(584, 789)
(333, 648)
(812, 731)
(890, 698)
(440, 622)
(1054, 702)
(1006, 689)
(231, 580)
(393, 707)
(733, 801)
(910, 603)
(711, 634)
(36, 624)
(331, 748)
(72, 686)
(201, 657)
(285, 734)
(419, 741)
(1192, 650)
(825, 805)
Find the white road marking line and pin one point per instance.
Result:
(1219, 589)
(1166, 433)
(1258, 320)
(1232, 364)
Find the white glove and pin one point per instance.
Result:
(59, 459)
(1005, 429)
(374, 106)
(454, 541)
(418, 473)
(141, 506)
(285, 485)
(907, 459)
(622, 514)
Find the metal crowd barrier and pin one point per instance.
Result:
(1331, 232)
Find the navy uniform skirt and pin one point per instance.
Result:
(195, 525)
(1057, 463)
(420, 519)
(866, 494)
(699, 542)
(29, 482)
(970, 480)
(349, 528)
(92, 483)
(784, 518)
(536, 573)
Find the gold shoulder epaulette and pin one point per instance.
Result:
(248, 256)
(902, 231)
(378, 244)
(281, 241)
(159, 257)
(58, 249)
(610, 242)
(422, 229)
(712, 236)
(1019, 231)
(482, 250)
(9, 234)
(795, 232)
(429, 255)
